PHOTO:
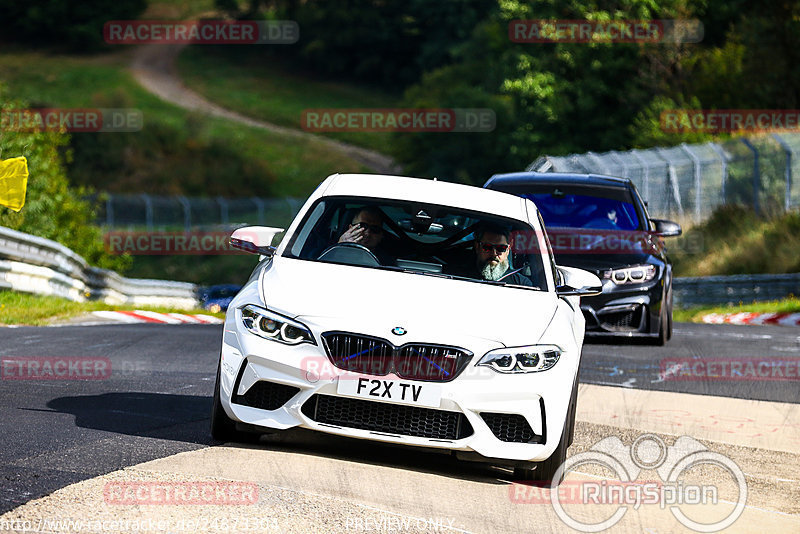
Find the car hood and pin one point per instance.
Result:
(430, 308)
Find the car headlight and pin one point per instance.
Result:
(638, 274)
(530, 359)
(270, 325)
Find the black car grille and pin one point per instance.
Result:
(413, 361)
(510, 428)
(266, 395)
(626, 320)
(388, 418)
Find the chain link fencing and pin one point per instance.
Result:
(159, 213)
(687, 182)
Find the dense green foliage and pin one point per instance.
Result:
(53, 209)
(72, 24)
(552, 98)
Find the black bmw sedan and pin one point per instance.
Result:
(600, 224)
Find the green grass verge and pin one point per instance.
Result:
(176, 152)
(37, 310)
(694, 315)
(267, 87)
(734, 240)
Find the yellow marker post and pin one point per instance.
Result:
(13, 182)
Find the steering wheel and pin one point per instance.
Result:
(350, 253)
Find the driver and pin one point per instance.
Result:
(492, 246)
(367, 229)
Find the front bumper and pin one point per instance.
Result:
(633, 311)
(268, 385)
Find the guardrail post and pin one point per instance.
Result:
(756, 174)
(787, 174)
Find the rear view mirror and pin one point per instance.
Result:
(666, 228)
(577, 282)
(255, 239)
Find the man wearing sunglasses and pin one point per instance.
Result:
(367, 229)
(492, 246)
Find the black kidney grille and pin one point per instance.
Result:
(429, 362)
(266, 395)
(388, 418)
(510, 427)
(374, 356)
(360, 354)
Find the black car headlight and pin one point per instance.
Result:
(271, 325)
(638, 274)
(529, 359)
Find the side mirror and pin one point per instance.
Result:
(666, 228)
(255, 239)
(577, 282)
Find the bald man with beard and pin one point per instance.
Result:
(492, 247)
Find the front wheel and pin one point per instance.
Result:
(545, 471)
(223, 428)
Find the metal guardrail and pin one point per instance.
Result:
(745, 288)
(36, 265)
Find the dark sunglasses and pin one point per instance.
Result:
(489, 247)
(374, 228)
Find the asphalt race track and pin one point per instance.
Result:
(157, 399)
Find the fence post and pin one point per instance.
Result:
(614, 154)
(148, 211)
(223, 210)
(646, 168)
(673, 179)
(187, 214)
(697, 185)
(109, 210)
(787, 174)
(260, 207)
(600, 164)
(756, 174)
(723, 156)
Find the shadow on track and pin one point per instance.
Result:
(156, 415)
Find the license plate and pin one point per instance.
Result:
(396, 391)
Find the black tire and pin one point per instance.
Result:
(223, 428)
(544, 472)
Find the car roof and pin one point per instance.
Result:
(556, 178)
(427, 191)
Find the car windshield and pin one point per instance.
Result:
(607, 212)
(422, 239)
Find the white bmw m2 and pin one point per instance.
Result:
(408, 311)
